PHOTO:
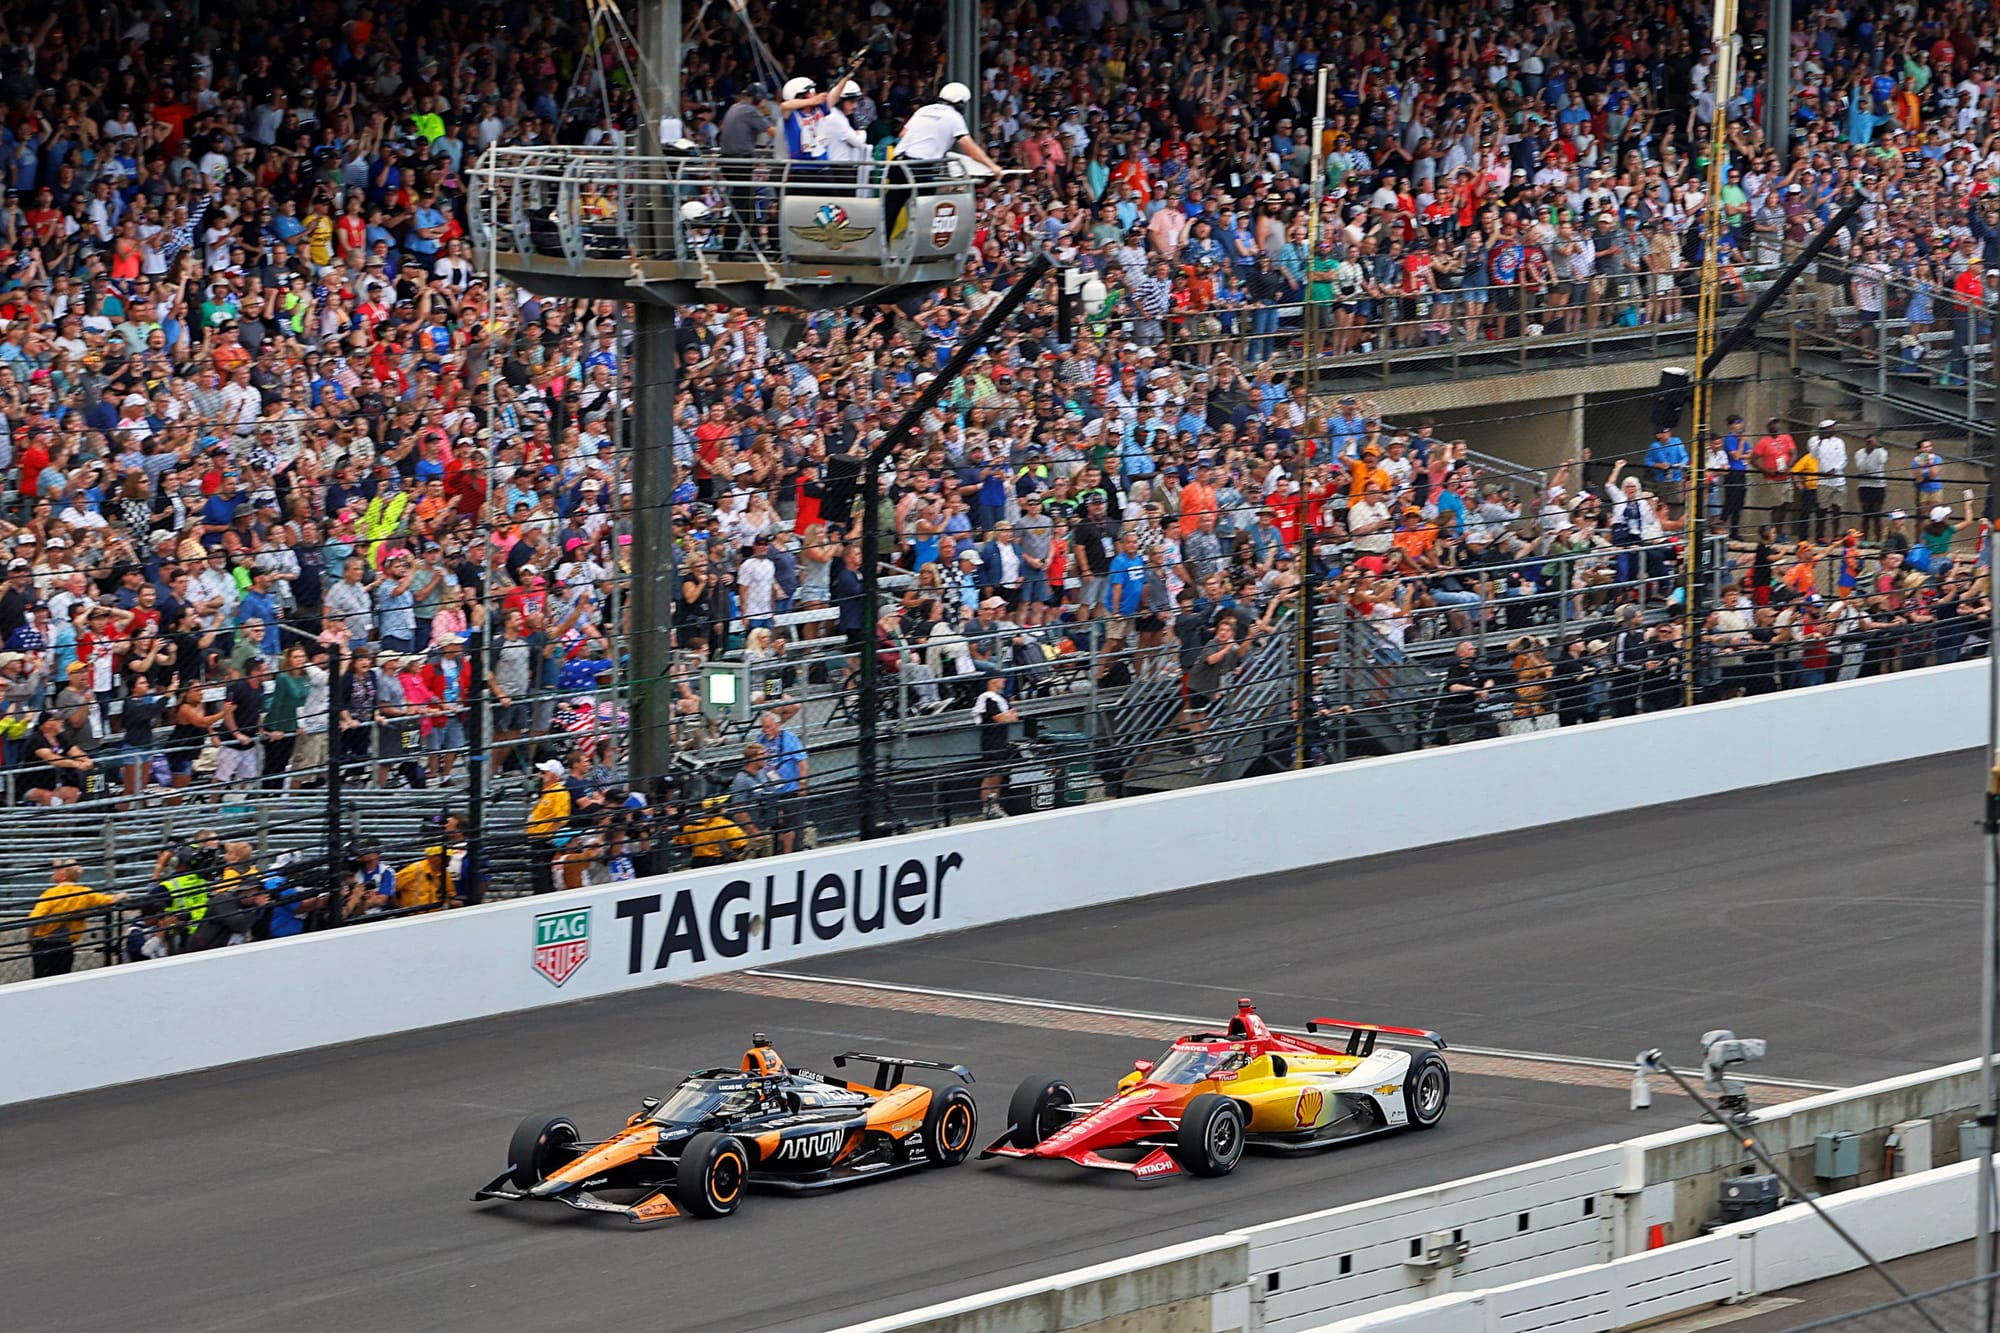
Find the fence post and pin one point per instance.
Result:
(110, 838)
(1882, 348)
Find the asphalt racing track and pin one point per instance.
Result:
(328, 1191)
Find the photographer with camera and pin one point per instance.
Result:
(369, 886)
(185, 872)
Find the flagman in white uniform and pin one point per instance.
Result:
(933, 132)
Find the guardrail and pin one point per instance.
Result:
(1569, 1241)
(1381, 335)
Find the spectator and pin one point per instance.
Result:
(789, 773)
(753, 800)
(994, 716)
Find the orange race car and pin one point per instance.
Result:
(725, 1129)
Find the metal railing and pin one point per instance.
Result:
(1383, 337)
(1910, 335)
(696, 211)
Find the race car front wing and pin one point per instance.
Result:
(1158, 1164)
(654, 1207)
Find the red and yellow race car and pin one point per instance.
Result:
(723, 1130)
(1215, 1093)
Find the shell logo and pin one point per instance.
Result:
(1311, 1102)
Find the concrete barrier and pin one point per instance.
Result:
(1200, 1285)
(116, 1025)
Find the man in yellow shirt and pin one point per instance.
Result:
(712, 837)
(549, 818)
(1805, 494)
(426, 883)
(59, 918)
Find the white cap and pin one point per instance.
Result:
(551, 767)
(1897, 516)
(1827, 424)
(1940, 514)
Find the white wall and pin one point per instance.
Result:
(115, 1025)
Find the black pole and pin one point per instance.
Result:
(871, 538)
(1740, 331)
(650, 608)
(336, 741)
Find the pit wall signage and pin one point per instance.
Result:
(662, 933)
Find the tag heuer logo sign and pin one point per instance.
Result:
(562, 942)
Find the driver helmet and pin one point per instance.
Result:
(762, 1058)
(800, 87)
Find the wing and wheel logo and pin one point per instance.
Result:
(831, 228)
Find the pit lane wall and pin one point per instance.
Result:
(1764, 1255)
(1560, 1243)
(117, 1025)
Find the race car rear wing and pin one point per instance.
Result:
(1361, 1037)
(889, 1069)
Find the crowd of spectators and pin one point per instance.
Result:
(267, 423)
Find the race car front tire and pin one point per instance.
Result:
(541, 1144)
(1426, 1088)
(714, 1169)
(950, 1125)
(1210, 1139)
(1032, 1110)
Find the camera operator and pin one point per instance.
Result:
(185, 873)
(369, 886)
(158, 932)
(233, 915)
(296, 905)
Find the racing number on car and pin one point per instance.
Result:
(1311, 1102)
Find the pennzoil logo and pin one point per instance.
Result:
(562, 943)
(831, 228)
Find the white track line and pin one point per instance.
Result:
(1062, 1006)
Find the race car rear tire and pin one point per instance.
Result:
(541, 1144)
(714, 1169)
(1032, 1111)
(1426, 1089)
(950, 1126)
(1210, 1139)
